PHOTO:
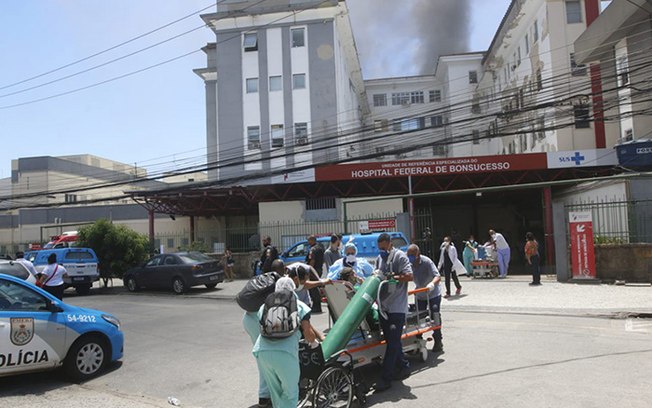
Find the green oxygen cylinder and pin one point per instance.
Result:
(354, 313)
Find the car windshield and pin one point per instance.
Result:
(14, 269)
(195, 257)
(79, 255)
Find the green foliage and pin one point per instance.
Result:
(195, 246)
(118, 247)
(604, 240)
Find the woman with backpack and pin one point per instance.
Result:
(283, 318)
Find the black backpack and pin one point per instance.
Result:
(253, 295)
(280, 317)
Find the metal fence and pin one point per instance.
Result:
(618, 222)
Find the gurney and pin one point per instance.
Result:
(329, 373)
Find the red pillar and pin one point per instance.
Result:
(150, 219)
(548, 226)
(592, 11)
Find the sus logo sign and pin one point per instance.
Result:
(22, 331)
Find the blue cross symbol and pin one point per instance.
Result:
(578, 158)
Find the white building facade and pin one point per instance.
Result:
(283, 88)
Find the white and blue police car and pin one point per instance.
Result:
(39, 332)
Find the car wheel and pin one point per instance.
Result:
(178, 286)
(83, 290)
(86, 357)
(131, 284)
(211, 285)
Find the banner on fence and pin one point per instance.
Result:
(377, 225)
(582, 251)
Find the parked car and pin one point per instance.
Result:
(17, 270)
(39, 332)
(178, 271)
(81, 264)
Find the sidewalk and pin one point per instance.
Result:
(511, 295)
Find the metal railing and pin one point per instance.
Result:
(618, 222)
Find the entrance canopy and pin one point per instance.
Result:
(371, 179)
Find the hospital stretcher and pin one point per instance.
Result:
(329, 373)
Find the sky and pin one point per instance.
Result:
(156, 118)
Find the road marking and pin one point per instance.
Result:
(638, 326)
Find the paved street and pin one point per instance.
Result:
(193, 348)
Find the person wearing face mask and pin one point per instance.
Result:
(360, 266)
(426, 275)
(502, 249)
(393, 264)
(300, 273)
(448, 260)
(332, 254)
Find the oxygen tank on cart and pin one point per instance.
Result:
(354, 313)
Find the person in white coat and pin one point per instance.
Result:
(449, 263)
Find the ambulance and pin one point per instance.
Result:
(38, 332)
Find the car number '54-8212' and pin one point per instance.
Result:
(81, 318)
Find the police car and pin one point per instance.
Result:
(39, 332)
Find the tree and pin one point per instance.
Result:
(118, 247)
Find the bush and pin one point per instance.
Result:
(118, 247)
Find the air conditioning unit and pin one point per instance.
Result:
(254, 145)
(406, 103)
(301, 140)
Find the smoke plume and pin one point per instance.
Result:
(405, 37)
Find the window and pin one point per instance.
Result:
(518, 56)
(17, 297)
(381, 125)
(170, 242)
(473, 77)
(622, 70)
(402, 125)
(535, 32)
(79, 255)
(475, 105)
(475, 135)
(437, 121)
(252, 85)
(380, 99)
(629, 135)
(253, 139)
(379, 152)
(298, 37)
(439, 150)
(275, 83)
(71, 198)
(320, 204)
(301, 133)
(154, 261)
(401, 98)
(573, 11)
(416, 97)
(278, 136)
(527, 44)
(539, 80)
(541, 128)
(250, 42)
(299, 81)
(576, 70)
(581, 112)
(435, 96)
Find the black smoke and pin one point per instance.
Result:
(405, 37)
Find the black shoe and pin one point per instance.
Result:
(264, 403)
(382, 385)
(438, 347)
(534, 284)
